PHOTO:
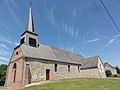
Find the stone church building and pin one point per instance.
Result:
(34, 62)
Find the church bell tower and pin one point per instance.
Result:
(29, 37)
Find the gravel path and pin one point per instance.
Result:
(43, 82)
(2, 88)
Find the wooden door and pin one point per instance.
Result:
(47, 74)
(14, 76)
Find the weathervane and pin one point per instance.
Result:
(30, 3)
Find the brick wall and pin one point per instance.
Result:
(17, 58)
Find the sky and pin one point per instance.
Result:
(79, 26)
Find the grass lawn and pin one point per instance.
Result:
(80, 84)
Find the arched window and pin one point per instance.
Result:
(14, 66)
(17, 53)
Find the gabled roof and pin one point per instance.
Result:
(106, 63)
(54, 54)
(51, 53)
(90, 62)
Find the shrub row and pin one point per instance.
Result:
(116, 75)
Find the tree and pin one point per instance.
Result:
(118, 69)
(108, 73)
(3, 70)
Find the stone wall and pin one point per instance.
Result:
(96, 72)
(101, 69)
(90, 73)
(111, 68)
(38, 70)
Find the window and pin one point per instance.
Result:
(32, 42)
(14, 69)
(100, 67)
(55, 67)
(68, 68)
(78, 69)
(22, 41)
(14, 66)
(16, 53)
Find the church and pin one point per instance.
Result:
(33, 62)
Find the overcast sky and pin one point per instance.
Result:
(80, 26)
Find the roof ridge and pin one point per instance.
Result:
(67, 51)
(92, 56)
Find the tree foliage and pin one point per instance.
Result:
(108, 73)
(3, 70)
(118, 69)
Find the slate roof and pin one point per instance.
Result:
(51, 53)
(106, 63)
(91, 62)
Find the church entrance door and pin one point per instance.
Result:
(47, 74)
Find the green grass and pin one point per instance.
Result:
(80, 84)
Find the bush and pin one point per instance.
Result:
(3, 69)
(118, 69)
(116, 75)
(108, 73)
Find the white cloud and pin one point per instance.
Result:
(71, 49)
(93, 40)
(1, 62)
(6, 40)
(13, 16)
(106, 37)
(74, 13)
(110, 42)
(4, 46)
(50, 15)
(70, 29)
(14, 4)
(4, 52)
(16, 43)
(117, 36)
(3, 58)
(76, 34)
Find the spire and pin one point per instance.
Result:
(29, 37)
(30, 24)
